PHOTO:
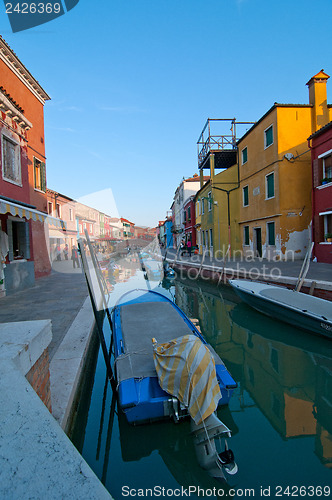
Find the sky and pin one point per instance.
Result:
(132, 83)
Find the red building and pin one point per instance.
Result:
(128, 228)
(321, 153)
(189, 221)
(23, 203)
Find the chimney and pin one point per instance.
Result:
(318, 99)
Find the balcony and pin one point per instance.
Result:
(177, 229)
(217, 139)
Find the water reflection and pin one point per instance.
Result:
(284, 392)
(287, 372)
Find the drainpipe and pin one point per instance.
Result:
(313, 197)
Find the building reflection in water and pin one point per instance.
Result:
(287, 372)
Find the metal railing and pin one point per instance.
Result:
(210, 141)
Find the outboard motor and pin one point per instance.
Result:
(206, 436)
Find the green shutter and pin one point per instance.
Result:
(271, 233)
(246, 235)
(10, 240)
(270, 185)
(43, 176)
(245, 196)
(244, 155)
(269, 136)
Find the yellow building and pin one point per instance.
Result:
(217, 206)
(217, 214)
(275, 176)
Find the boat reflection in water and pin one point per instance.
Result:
(175, 445)
(286, 372)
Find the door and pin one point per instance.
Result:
(258, 241)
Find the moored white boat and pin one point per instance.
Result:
(296, 308)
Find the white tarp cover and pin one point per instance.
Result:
(186, 369)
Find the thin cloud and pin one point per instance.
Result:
(122, 109)
(64, 129)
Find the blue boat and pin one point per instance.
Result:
(137, 317)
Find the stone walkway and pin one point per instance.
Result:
(58, 297)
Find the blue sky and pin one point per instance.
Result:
(132, 83)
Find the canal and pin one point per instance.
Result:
(280, 414)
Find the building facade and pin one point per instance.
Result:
(189, 221)
(23, 202)
(321, 153)
(63, 208)
(187, 188)
(275, 176)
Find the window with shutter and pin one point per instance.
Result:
(246, 235)
(245, 196)
(11, 161)
(18, 239)
(39, 174)
(271, 236)
(270, 185)
(244, 155)
(268, 137)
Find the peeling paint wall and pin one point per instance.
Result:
(297, 244)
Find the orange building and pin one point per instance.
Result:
(23, 202)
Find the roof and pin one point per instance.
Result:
(321, 131)
(126, 220)
(275, 106)
(203, 187)
(13, 62)
(56, 193)
(320, 76)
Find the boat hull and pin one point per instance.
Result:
(304, 319)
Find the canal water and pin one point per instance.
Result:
(280, 414)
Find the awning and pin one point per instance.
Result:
(29, 213)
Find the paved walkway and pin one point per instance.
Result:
(58, 297)
(317, 271)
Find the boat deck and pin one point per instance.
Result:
(140, 323)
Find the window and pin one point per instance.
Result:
(271, 234)
(327, 168)
(18, 239)
(244, 155)
(202, 204)
(189, 214)
(211, 237)
(246, 235)
(203, 234)
(71, 214)
(210, 201)
(246, 196)
(268, 137)
(327, 227)
(185, 216)
(58, 210)
(270, 185)
(11, 161)
(39, 174)
(49, 208)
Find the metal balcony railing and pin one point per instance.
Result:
(209, 140)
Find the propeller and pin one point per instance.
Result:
(227, 460)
